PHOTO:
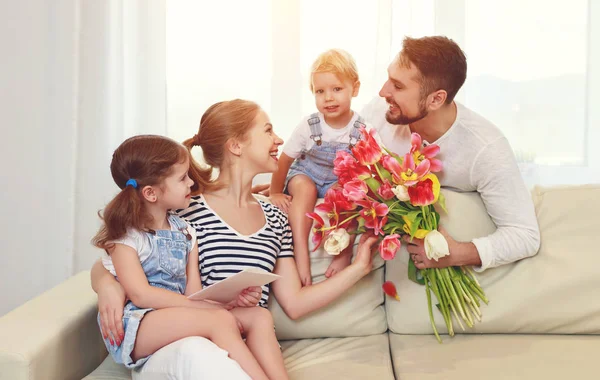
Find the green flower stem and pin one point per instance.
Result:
(473, 285)
(350, 218)
(378, 171)
(444, 300)
(461, 291)
(478, 291)
(469, 318)
(442, 284)
(431, 311)
(471, 299)
(475, 312)
(443, 306)
(465, 282)
(452, 292)
(472, 274)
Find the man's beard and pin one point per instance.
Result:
(403, 119)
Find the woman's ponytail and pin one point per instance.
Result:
(201, 176)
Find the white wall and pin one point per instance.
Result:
(37, 98)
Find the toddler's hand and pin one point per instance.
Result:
(263, 189)
(305, 274)
(282, 201)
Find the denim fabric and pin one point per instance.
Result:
(317, 162)
(164, 268)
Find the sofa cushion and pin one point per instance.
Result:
(109, 370)
(339, 358)
(552, 292)
(491, 357)
(331, 358)
(358, 312)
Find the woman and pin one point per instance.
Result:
(234, 229)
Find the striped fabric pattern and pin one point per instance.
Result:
(224, 251)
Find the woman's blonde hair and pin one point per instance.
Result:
(221, 122)
(335, 61)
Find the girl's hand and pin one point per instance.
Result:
(249, 297)
(366, 251)
(282, 201)
(111, 300)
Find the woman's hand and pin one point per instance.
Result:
(111, 300)
(249, 297)
(366, 250)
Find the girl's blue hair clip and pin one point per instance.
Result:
(131, 182)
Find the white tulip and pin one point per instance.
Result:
(436, 245)
(401, 192)
(337, 241)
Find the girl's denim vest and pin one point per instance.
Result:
(165, 268)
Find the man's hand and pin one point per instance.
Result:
(460, 253)
(282, 201)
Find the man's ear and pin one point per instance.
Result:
(436, 100)
(355, 88)
(234, 146)
(149, 194)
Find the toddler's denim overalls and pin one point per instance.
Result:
(165, 268)
(317, 162)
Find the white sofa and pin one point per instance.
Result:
(543, 321)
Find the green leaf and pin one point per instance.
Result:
(361, 224)
(415, 226)
(414, 274)
(373, 184)
(442, 202)
(384, 173)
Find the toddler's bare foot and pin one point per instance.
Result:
(338, 263)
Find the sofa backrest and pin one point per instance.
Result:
(358, 312)
(554, 292)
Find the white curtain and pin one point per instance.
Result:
(532, 65)
(77, 78)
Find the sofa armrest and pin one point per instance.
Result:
(53, 336)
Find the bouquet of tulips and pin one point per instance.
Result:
(392, 196)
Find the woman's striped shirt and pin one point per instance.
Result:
(223, 251)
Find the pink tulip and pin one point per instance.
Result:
(347, 168)
(421, 194)
(389, 246)
(367, 151)
(427, 153)
(318, 230)
(355, 190)
(411, 174)
(385, 190)
(392, 165)
(374, 214)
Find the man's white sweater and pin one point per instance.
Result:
(476, 157)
